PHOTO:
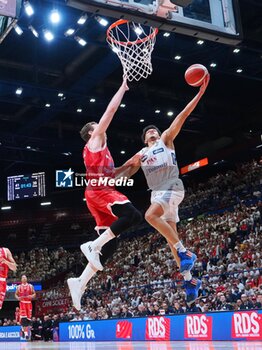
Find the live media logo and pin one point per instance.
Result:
(64, 178)
(69, 179)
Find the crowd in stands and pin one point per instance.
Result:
(142, 279)
(42, 264)
(223, 190)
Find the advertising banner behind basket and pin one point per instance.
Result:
(212, 326)
(51, 306)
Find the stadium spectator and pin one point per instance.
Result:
(47, 330)
(245, 303)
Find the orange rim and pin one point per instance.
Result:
(139, 41)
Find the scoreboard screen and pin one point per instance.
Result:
(26, 186)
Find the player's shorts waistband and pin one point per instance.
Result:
(25, 302)
(2, 279)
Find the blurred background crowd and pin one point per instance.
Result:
(221, 222)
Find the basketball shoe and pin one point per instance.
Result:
(192, 287)
(187, 261)
(92, 253)
(75, 292)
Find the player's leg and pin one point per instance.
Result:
(2, 292)
(127, 216)
(22, 316)
(29, 310)
(167, 228)
(173, 250)
(77, 285)
(103, 206)
(24, 325)
(187, 259)
(192, 285)
(154, 217)
(123, 216)
(25, 315)
(164, 209)
(104, 219)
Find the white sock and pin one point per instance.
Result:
(187, 276)
(86, 276)
(179, 247)
(104, 238)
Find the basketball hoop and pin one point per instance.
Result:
(134, 45)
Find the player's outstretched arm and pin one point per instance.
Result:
(10, 262)
(174, 129)
(129, 168)
(111, 110)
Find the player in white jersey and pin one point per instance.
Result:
(159, 164)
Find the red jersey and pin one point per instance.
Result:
(3, 267)
(24, 290)
(99, 165)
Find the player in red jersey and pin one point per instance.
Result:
(111, 210)
(25, 293)
(6, 262)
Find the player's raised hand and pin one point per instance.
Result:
(124, 84)
(205, 84)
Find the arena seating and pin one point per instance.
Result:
(142, 278)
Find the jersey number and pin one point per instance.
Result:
(173, 158)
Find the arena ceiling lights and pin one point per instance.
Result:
(55, 19)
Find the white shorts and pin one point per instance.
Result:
(169, 201)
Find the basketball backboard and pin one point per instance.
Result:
(216, 20)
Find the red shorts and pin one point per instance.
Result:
(99, 203)
(2, 292)
(25, 310)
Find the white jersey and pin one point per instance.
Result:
(160, 167)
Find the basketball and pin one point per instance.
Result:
(196, 74)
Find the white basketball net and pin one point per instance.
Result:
(133, 45)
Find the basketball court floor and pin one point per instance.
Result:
(256, 345)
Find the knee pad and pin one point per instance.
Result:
(127, 211)
(136, 217)
(128, 216)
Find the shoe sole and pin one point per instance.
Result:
(86, 255)
(192, 301)
(77, 308)
(188, 267)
